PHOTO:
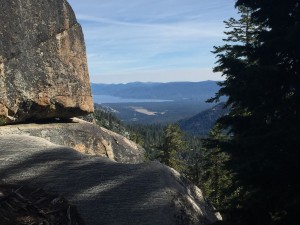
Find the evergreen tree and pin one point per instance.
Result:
(148, 136)
(173, 147)
(261, 65)
(216, 179)
(195, 160)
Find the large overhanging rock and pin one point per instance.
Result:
(105, 192)
(43, 68)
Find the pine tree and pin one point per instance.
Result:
(262, 84)
(195, 161)
(173, 147)
(216, 179)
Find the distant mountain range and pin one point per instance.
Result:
(198, 91)
(201, 123)
(188, 99)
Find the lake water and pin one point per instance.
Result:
(113, 99)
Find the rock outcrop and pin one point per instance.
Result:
(43, 68)
(84, 137)
(105, 192)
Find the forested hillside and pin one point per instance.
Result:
(202, 123)
(106, 118)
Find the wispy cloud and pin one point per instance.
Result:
(151, 36)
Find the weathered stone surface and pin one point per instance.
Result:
(83, 136)
(105, 192)
(43, 68)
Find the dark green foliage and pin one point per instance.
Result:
(170, 145)
(108, 120)
(261, 64)
(173, 147)
(194, 159)
(205, 167)
(166, 144)
(148, 136)
(216, 178)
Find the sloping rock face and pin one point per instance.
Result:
(84, 137)
(104, 191)
(43, 68)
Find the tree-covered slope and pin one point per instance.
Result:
(201, 123)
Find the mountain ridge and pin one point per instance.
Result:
(171, 90)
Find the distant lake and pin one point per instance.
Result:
(113, 99)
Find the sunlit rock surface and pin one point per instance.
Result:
(43, 68)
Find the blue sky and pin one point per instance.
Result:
(152, 40)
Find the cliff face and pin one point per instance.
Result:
(43, 68)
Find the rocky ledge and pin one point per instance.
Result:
(82, 136)
(105, 192)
